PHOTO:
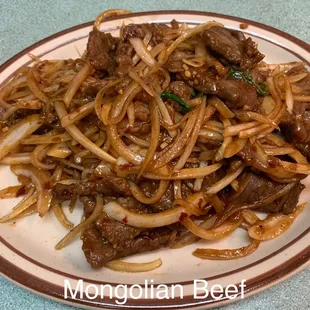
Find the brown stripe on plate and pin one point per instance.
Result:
(59, 272)
(252, 286)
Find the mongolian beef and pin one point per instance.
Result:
(167, 135)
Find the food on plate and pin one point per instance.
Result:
(166, 134)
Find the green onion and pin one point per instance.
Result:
(185, 108)
(261, 88)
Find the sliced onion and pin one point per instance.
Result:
(198, 182)
(13, 191)
(249, 115)
(38, 155)
(189, 238)
(48, 138)
(142, 51)
(80, 227)
(120, 214)
(295, 168)
(29, 211)
(268, 104)
(225, 181)
(138, 141)
(108, 13)
(76, 134)
(120, 147)
(234, 147)
(136, 77)
(78, 114)
(165, 114)
(183, 174)
(210, 135)
(59, 150)
(274, 225)
(193, 139)
(227, 140)
(278, 150)
(221, 107)
(17, 158)
(217, 233)
(11, 138)
(35, 89)
(27, 202)
(155, 135)
(42, 181)
(188, 34)
(250, 217)
(235, 129)
(118, 265)
(60, 215)
(288, 95)
(227, 254)
(77, 82)
(178, 144)
(119, 107)
(140, 196)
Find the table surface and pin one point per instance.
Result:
(25, 22)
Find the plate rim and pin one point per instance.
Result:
(281, 272)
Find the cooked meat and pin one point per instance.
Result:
(142, 112)
(257, 187)
(89, 203)
(110, 186)
(99, 251)
(180, 89)
(115, 232)
(296, 127)
(150, 187)
(123, 58)
(100, 49)
(140, 30)
(91, 86)
(201, 78)
(233, 46)
(133, 205)
(175, 63)
(238, 94)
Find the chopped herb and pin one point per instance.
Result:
(185, 108)
(235, 75)
(261, 88)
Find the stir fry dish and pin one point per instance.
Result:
(167, 135)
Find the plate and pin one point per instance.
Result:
(27, 249)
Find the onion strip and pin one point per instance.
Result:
(17, 158)
(227, 254)
(183, 174)
(60, 215)
(155, 134)
(120, 214)
(118, 265)
(217, 233)
(76, 134)
(42, 181)
(77, 82)
(140, 196)
(27, 202)
(274, 225)
(11, 138)
(81, 227)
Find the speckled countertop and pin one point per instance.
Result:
(24, 22)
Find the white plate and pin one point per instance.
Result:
(27, 247)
